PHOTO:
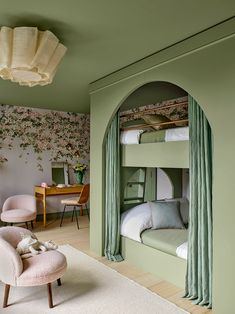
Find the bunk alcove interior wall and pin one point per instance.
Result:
(149, 156)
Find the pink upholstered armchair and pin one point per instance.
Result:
(41, 269)
(19, 208)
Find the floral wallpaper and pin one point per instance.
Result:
(65, 135)
(179, 112)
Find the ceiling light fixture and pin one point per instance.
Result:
(28, 56)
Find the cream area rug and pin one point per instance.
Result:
(88, 287)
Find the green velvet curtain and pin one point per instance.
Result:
(112, 192)
(199, 265)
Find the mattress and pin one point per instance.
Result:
(165, 240)
(167, 135)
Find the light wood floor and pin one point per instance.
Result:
(69, 234)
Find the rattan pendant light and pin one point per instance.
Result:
(28, 56)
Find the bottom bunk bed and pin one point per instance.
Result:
(154, 237)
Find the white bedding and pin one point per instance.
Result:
(130, 136)
(135, 220)
(182, 250)
(177, 134)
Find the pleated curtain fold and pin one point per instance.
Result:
(200, 251)
(112, 192)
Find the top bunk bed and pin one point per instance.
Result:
(156, 135)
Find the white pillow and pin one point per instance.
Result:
(135, 220)
(177, 134)
(184, 208)
(130, 136)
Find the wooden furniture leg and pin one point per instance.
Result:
(73, 213)
(6, 294)
(32, 224)
(76, 216)
(59, 282)
(44, 210)
(62, 217)
(49, 293)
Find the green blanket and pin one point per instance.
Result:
(153, 137)
(166, 240)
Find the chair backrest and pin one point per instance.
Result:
(11, 265)
(84, 196)
(20, 202)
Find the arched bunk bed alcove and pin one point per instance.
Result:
(171, 155)
(158, 250)
(191, 65)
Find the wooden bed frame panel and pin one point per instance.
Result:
(164, 155)
(163, 265)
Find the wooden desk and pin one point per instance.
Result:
(42, 193)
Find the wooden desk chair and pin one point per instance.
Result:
(77, 202)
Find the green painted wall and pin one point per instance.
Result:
(152, 93)
(204, 66)
(154, 261)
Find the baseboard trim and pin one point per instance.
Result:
(57, 215)
(52, 216)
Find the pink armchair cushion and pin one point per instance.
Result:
(19, 208)
(20, 201)
(18, 215)
(42, 269)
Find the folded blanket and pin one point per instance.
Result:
(182, 250)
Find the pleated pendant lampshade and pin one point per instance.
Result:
(28, 56)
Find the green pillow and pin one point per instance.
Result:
(166, 215)
(156, 118)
